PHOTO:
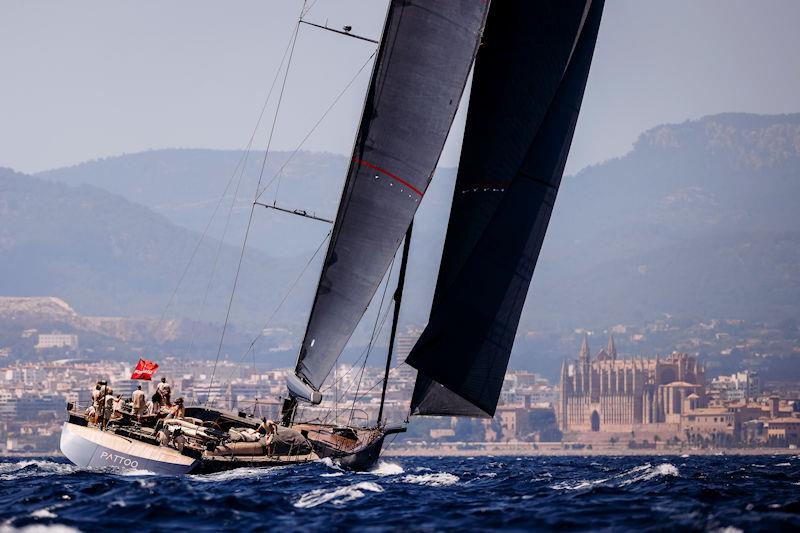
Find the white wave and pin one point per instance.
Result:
(14, 470)
(421, 469)
(546, 476)
(128, 473)
(39, 528)
(330, 463)
(488, 474)
(728, 529)
(44, 513)
(578, 485)
(385, 468)
(436, 479)
(237, 473)
(685, 456)
(332, 474)
(338, 496)
(639, 473)
(646, 472)
(784, 464)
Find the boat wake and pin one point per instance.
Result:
(337, 496)
(385, 468)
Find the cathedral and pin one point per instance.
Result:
(608, 394)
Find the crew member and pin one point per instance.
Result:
(95, 402)
(156, 405)
(268, 429)
(108, 409)
(104, 393)
(138, 402)
(117, 409)
(177, 410)
(165, 391)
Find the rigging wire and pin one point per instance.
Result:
(191, 257)
(259, 190)
(306, 137)
(380, 381)
(253, 206)
(372, 339)
(241, 167)
(280, 304)
(316, 124)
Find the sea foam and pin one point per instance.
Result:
(338, 496)
(437, 479)
(385, 468)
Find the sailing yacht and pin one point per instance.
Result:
(530, 69)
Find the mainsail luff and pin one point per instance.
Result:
(426, 52)
(499, 217)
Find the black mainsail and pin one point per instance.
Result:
(425, 55)
(527, 89)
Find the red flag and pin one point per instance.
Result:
(144, 370)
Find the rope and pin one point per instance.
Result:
(241, 166)
(259, 190)
(372, 338)
(280, 304)
(252, 207)
(354, 366)
(298, 148)
(316, 125)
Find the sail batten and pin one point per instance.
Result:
(426, 52)
(527, 89)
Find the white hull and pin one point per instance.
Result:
(91, 448)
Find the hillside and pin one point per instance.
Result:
(107, 256)
(700, 219)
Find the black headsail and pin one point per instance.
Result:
(426, 52)
(528, 84)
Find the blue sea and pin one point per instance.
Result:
(710, 493)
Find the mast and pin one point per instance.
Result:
(398, 297)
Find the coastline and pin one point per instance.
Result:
(560, 451)
(504, 450)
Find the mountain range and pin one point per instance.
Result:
(699, 219)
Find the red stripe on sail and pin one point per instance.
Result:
(393, 176)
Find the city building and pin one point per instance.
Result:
(621, 395)
(57, 340)
(741, 386)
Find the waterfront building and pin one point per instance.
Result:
(741, 386)
(609, 394)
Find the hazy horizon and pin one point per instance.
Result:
(96, 80)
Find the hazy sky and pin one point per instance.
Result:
(87, 79)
